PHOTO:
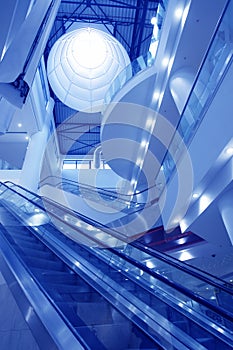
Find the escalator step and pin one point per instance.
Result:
(55, 277)
(91, 313)
(44, 254)
(209, 343)
(20, 231)
(24, 237)
(182, 324)
(71, 315)
(82, 295)
(89, 334)
(70, 289)
(30, 245)
(112, 336)
(41, 263)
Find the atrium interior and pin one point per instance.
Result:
(116, 169)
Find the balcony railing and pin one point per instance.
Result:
(214, 67)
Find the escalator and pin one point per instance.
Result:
(105, 298)
(89, 315)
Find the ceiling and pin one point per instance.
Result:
(129, 21)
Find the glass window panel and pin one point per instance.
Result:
(69, 165)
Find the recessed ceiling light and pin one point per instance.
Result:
(19, 125)
(156, 95)
(26, 137)
(139, 161)
(143, 143)
(195, 195)
(176, 221)
(178, 12)
(153, 21)
(229, 151)
(149, 122)
(165, 61)
(133, 182)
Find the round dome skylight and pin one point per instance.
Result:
(81, 66)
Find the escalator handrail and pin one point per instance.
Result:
(176, 263)
(93, 222)
(226, 314)
(184, 266)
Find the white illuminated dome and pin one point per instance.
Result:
(81, 66)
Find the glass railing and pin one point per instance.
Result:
(110, 195)
(218, 292)
(138, 65)
(142, 62)
(204, 299)
(106, 196)
(215, 65)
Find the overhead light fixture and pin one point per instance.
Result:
(149, 123)
(205, 201)
(19, 125)
(139, 161)
(229, 151)
(176, 221)
(195, 195)
(185, 255)
(165, 61)
(153, 21)
(82, 65)
(182, 240)
(156, 95)
(133, 182)
(178, 12)
(143, 143)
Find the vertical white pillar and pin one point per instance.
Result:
(225, 205)
(30, 174)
